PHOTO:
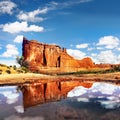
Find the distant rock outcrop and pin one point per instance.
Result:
(47, 57)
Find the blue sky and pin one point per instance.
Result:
(87, 28)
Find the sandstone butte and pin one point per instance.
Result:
(44, 57)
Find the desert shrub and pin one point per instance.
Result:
(22, 62)
(3, 65)
(116, 68)
(8, 71)
(14, 67)
(0, 71)
(25, 69)
(8, 67)
(20, 71)
(37, 71)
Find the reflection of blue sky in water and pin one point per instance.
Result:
(9, 96)
(108, 95)
(11, 104)
(82, 103)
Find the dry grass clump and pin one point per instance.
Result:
(4, 69)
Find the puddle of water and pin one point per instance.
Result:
(107, 95)
(73, 100)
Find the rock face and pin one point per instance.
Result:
(45, 57)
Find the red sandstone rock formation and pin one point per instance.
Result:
(45, 57)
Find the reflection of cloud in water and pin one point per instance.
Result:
(10, 94)
(14, 117)
(82, 100)
(19, 109)
(104, 88)
(76, 92)
(106, 94)
(100, 97)
(110, 104)
(12, 98)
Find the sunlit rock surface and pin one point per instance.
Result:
(48, 57)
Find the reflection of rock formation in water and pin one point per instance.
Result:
(38, 93)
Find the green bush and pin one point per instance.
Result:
(22, 62)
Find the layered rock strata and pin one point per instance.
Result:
(49, 57)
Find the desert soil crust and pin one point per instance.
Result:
(12, 79)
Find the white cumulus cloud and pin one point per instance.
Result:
(11, 51)
(118, 49)
(100, 48)
(9, 62)
(106, 50)
(18, 39)
(93, 54)
(33, 15)
(84, 45)
(106, 57)
(7, 6)
(118, 58)
(110, 42)
(76, 53)
(17, 27)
